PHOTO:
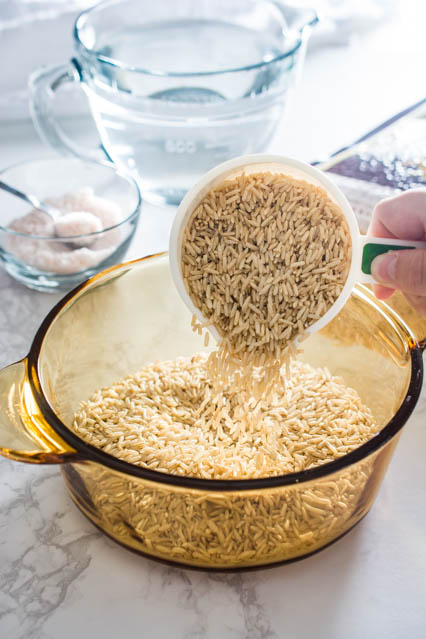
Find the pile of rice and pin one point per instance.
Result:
(263, 257)
(228, 529)
(168, 417)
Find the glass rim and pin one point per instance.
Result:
(86, 14)
(89, 453)
(118, 172)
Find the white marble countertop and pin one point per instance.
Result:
(60, 577)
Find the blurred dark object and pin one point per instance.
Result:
(393, 154)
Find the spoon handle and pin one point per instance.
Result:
(30, 199)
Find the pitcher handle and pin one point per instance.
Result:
(43, 84)
(24, 433)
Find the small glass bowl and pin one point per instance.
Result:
(52, 263)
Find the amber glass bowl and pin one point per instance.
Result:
(130, 315)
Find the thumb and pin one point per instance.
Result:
(404, 270)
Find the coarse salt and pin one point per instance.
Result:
(60, 255)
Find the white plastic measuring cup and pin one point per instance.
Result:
(364, 248)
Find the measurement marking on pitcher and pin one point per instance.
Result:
(180, 146)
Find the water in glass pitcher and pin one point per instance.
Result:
(186, 96)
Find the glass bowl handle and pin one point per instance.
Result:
(24, 433)
(43, 85)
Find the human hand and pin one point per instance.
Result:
(401, 217)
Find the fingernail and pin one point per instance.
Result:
(383, 267)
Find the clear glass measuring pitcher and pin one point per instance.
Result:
(178, 87)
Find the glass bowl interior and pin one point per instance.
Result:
(132, 315)
(55, 263)
(54, 177)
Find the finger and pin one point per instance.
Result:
(382, 292)
(402, 216)
(418, 303)
(404, 270)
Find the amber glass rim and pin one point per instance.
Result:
(87, 452)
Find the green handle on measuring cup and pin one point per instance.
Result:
(374, 246)
(371, 251)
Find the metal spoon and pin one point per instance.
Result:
(67, 225)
